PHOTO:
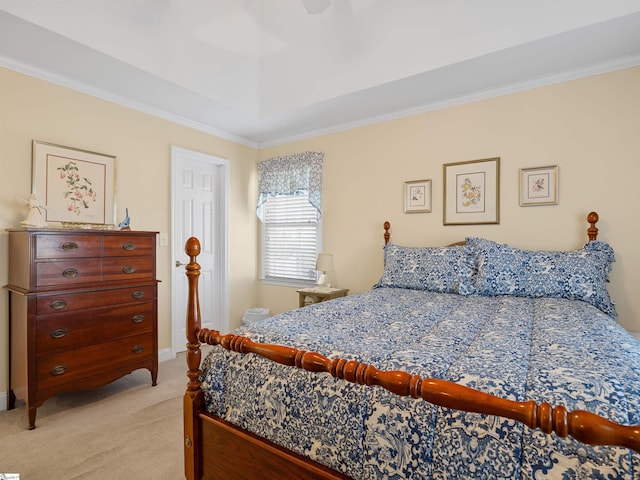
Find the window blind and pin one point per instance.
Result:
(290, 238)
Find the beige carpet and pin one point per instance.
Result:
(127, 429)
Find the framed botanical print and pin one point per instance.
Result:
(539, 186)
(472, 192)
(76, 186)
(417, 196)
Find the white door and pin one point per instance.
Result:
(199, 203)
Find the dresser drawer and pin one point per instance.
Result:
(58, 368)
(128, 245)
(67, 246)
(127, 269)
(65, 301)
(67, 273)
(73, 330)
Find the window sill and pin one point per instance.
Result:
(288, 283)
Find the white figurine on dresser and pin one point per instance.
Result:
(35, 216)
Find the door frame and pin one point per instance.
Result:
(222, 241)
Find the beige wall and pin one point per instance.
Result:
(33, 109)
(589, 127)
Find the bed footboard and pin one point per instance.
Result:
(582, 425)
(245, 455)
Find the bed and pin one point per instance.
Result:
(475, 360)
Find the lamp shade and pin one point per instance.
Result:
(324, 262)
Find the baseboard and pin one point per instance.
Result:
(163, 356)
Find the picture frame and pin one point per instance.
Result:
(77, 187)
(539, 186)
(472, 192)
(417, 196)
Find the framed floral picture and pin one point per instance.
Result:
(539, 186)
(417, 196)
(76, 186)
(472, 192)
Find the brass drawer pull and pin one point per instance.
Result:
(138, 349)
(58, 304)
(70, 273)
(138, 318)
(58, 333)
(128, 269)
(129, 246)
(69, 246)
(58, 370)
(138, 294)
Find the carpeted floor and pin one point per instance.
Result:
(127, 429)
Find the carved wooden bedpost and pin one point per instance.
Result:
(592, 231)
(193, 397)
(387, 235)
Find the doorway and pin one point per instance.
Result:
(199, 208)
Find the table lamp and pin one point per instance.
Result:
(324, 264)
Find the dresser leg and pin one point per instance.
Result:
(154, 377)
(31, 412)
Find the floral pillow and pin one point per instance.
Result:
(580, 274)
(436, 269)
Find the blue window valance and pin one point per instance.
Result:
(291, 175)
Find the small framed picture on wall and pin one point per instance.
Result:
(417, 196)
(539, 186)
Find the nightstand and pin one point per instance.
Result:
(307, 296)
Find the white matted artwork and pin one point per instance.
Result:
(472, 192)
(417, 196)
(76, 186)
(539, 186)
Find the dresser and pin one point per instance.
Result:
(83, 310)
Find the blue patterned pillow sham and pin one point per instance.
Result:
(579, 275)
(435, 269)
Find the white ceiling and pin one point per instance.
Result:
(264, 72)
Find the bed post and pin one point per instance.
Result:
(592, 231)
(387, 235)
(193, 398)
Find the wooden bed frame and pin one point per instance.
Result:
(214, 448)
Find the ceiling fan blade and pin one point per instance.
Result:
(315, 6)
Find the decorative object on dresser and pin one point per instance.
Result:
(35, 215)
(83, 310)
(125, 224)
(308, 296)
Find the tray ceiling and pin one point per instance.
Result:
(263, 72)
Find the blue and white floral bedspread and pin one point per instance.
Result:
(565, 352)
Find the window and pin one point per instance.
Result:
(290, 239)
(290, 208)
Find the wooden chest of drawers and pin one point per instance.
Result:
(83, 310)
